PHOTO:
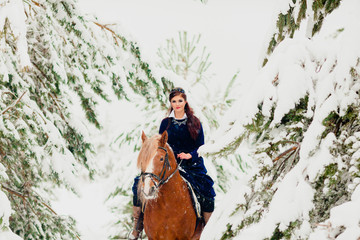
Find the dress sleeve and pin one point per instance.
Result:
(199, 141)
(163, 125)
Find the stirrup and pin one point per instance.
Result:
(132, 237)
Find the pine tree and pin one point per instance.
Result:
(305, 151)
(298, 11)
(55, 62)
(183, 57)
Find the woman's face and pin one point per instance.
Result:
(178, 104)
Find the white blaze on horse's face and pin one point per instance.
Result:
(149, 189)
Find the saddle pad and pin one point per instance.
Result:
(195, 201)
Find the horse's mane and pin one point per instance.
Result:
(147, 151)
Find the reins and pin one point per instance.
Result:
(165, 168)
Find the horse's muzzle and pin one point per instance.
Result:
(152, 194)
(149, 190)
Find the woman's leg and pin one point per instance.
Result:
(207, 216)
(137, 214)
(138, 223)
(207, 207)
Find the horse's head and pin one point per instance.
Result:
(155, 160)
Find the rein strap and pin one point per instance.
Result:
(166, 166)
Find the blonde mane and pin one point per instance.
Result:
(147, 151)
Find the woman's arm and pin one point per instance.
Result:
(199, 141)
(164, 125)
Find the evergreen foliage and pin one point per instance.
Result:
(288, 23)
(53, 74)
(288, 146)
(184, 57)
(333, 186)
(204, 1)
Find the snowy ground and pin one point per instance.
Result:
(89, 209)
(234, 32)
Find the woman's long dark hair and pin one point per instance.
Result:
(193, 123)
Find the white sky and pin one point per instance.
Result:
(229, 28)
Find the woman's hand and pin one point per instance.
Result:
(184, 155)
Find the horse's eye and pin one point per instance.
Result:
(161, 159)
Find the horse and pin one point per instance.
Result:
(167, 204)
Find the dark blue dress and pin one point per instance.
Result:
(192, 169)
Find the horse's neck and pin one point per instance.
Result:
(176, 185)
(175, 182)
(169, 216)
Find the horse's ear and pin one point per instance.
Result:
(143, 136)
(163, 139)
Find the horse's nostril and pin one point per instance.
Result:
(152, 190)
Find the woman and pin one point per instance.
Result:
(185, 136)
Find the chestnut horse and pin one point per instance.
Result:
(168, 209)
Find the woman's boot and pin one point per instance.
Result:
(138, 217)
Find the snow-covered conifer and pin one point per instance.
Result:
(300, 119)
(56, 65)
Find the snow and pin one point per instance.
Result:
(318, 67)
(14, 12)
(87, 208)
(5, 213)
(345, 215)
(217, 23)
(321, 158)
(285, 207)
(90, 207)
(223, 215)
(237, 46)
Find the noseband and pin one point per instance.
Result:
(161, 178)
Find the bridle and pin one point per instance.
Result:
(161, 180)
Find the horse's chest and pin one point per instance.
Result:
(169, 220)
